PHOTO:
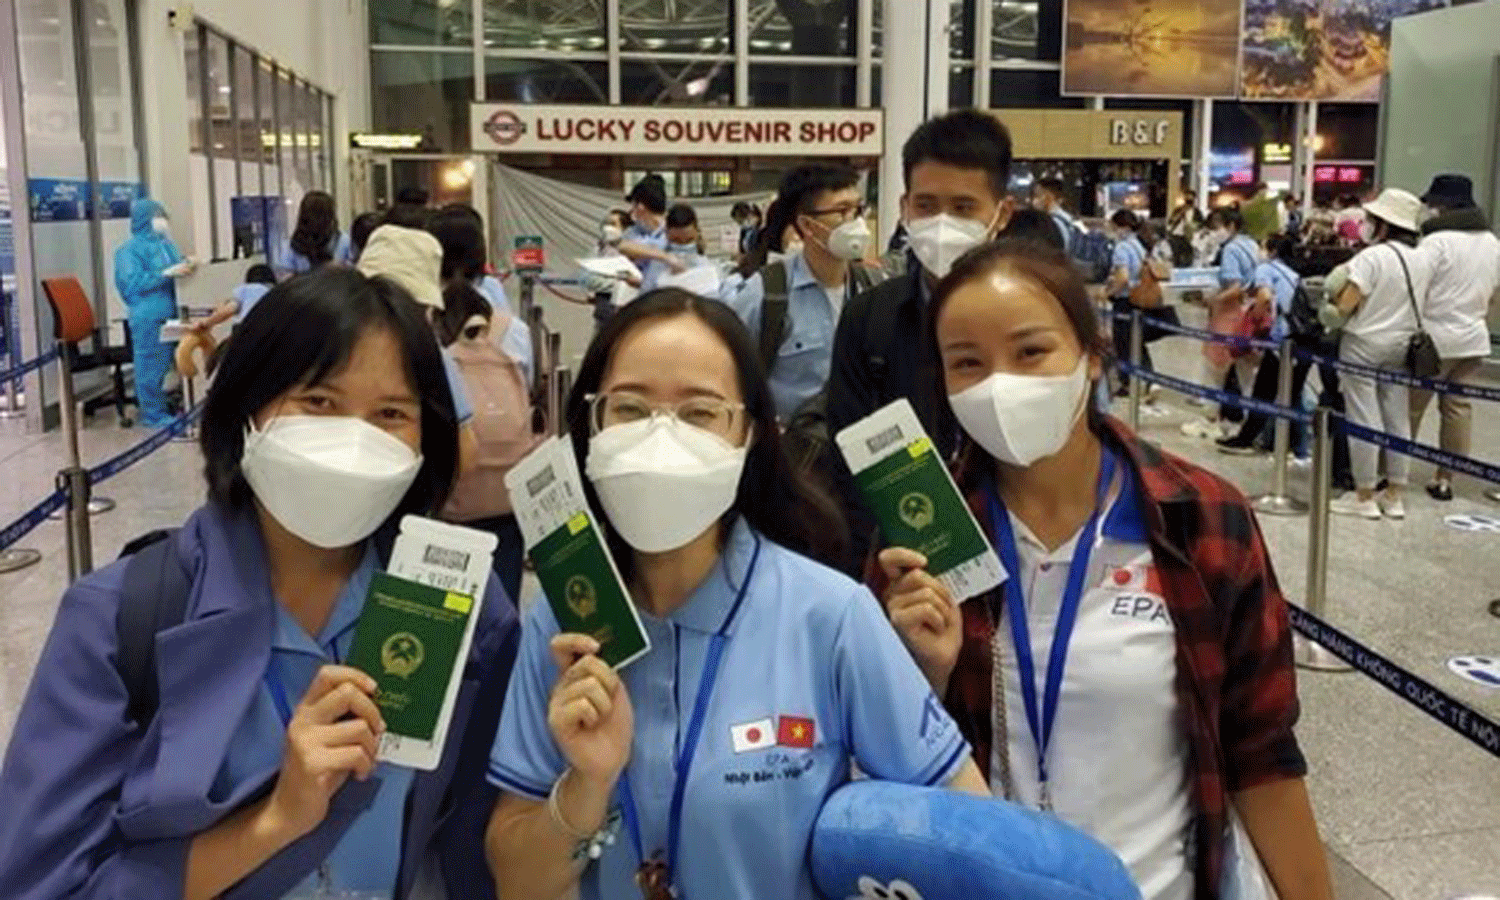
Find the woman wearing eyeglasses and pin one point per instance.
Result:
(698, 771)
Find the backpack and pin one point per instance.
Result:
(1182, 251)
(153, 598)
(502, 422)
(806, 436)
(1094, 252)
(1302, 313)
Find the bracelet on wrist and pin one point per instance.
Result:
(589, 846)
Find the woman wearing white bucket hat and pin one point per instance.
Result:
(1376, 300)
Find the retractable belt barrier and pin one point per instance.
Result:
(1441, 458)
(1202, 334)
(58, 499)
(29, 366)
(1223, 397)
(1391, 376)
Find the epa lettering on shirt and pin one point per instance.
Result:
(1143, 607)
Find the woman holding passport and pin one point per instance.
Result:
(697, 770)
(191, 731)
(1133, 674)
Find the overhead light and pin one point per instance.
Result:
(697, 87)
(223, 88)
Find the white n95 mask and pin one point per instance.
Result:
(1020, 419)
(663, 482)
(330, 480)
(850, 240)
(938, 241)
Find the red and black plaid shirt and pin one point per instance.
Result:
(1236, 681)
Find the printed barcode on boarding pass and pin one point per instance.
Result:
(540, 482)
(446, 558)
(969, 578)
(884, 439)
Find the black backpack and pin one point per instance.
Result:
(1302, 314)
(806, 436)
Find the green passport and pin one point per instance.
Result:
(914, 501)
(585, 593)
(408, 639)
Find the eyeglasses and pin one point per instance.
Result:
(844, 212)
(623, 407)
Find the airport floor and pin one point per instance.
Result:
(1409, 810)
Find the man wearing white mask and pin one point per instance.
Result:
(793, 304)
(957, 172)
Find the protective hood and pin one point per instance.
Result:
(142, 212)
(1471, 219)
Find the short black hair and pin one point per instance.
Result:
(1029, 224)
(1053, 186)
(1282, 247)
(965, 139)
(798, 193)
(773, 497)
(650, 192)
(260, 273)
(1228, 216)
(1124, 218)
(461, 232)
(681, 216)
(414, 196)
(360, 230)
(303, 331)
(408, 215)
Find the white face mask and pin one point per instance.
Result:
(663, 482)
(160, 225)
(850, 240)
(1020, 419)
(611, 234)
(938, 241)
(329, 480)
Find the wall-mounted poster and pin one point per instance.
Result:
(1156, 48)
(1320, 49)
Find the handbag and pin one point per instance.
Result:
(1422, 357)
(1147, 293)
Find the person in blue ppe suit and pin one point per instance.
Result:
(256, 777)
(147, 266)
(768, 672)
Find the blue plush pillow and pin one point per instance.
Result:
(875, 840)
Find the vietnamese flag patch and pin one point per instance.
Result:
(793, 731)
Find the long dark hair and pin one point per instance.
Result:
(1049, 269)
(317, 228)
(773, 498)
(303, 331)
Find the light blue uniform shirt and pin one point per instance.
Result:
(808, 647)
(290, 262)
(1281, 280)
(247, 295)
(516, 341)
(1130, 255)
(651, 269)
(463, 408)
(1065, 227)
(1237, 262)
(806, 354)
(369, 854)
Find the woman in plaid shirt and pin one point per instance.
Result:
(1134, 673)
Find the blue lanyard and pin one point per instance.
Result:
(1041, 718)
(690, 741)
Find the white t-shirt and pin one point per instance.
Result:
(1118, 755)
(1465, 275)
(1385, 317)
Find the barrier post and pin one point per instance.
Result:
(18, 558)
(14, 407)
(1137, 386)
(563, 381)
(1308, 654)
(74, 479)
(1277, 502)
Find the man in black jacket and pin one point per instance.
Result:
(957, 173)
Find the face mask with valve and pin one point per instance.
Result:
(663, 482)
(329, 480)
(850, 241)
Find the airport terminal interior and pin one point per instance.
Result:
(211, 136)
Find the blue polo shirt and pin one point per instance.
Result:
(289, 262)
(806, 354)
(1129, 254)
(651, 269)
(810, 650)
(247, 295)
(1281, 280)
(369, 854)
(463, 407)
(1237, 262)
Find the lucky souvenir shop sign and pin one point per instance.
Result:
(654, 130)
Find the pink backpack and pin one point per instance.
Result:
(502, 423)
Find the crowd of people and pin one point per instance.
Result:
(703, 426)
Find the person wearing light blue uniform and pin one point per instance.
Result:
(645, 241)
(254, 775)
(1124, 275)
(460, 232)
(316, 240)
(147, 266)
(802, 363)
(703, 764)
